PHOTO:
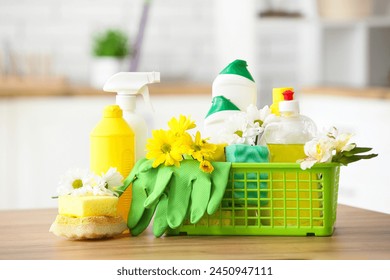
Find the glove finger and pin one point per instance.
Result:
(138, 167)
(200, 196)
(144, 221)
(179, 196)
(163, 177)
(137, 205)
(160, 224)
(219, 179)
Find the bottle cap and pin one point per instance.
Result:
(277, 96)
(126, 102)
(288, 95)
(238, 67)
(112, 111)
(289, 105)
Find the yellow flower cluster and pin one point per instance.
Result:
(169, 147)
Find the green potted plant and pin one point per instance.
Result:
(110, 50)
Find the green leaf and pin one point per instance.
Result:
(356, 150)
(347, 160)
(112, 42)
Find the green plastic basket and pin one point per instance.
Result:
(273, 199)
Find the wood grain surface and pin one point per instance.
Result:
(359, 234)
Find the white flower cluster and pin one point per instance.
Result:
(322, 149)
(246, 127)
(81, 183)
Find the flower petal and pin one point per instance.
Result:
(308, 163)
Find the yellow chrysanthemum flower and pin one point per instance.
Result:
(163, 147)
(185, 142)
(201, 149)
(179, 126)
(206, 166)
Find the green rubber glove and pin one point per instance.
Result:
(219, 180)
(160, 224)
(153, 183)
(146, 181)
(171, 193)
(194, 191)
(180, 192)
(143, 222)
(143, 165)
(164, 175)
(200, 196)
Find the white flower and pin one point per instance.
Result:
(253, 114)
(246, 127)
(262, 116)
(75, 179)
(82, 183)
(92, 190)
(112, 178)
(251, 134)
(317, 150)
(234, 129)
(341, 141)
(325, 147)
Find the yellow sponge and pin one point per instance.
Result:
(95, 227)
(86, 206)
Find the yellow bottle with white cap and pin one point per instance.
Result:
(112, 145)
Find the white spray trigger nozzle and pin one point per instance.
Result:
(132, 83)
(145, 93)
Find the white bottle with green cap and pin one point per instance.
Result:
(234, 89)
(236, 84)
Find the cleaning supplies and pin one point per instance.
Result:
(128, 85)
(233, 90)
(112, 145)
(286, 137)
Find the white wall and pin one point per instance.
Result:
(178, 39)
(365, 183)
(42, 138)
(193, 40)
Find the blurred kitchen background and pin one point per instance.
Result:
(336, 54)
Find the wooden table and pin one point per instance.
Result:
(359, 234)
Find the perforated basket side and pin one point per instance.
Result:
(273, 199)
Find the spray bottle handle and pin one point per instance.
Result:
(145, 94)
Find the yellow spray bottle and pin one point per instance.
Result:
(112, 145)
